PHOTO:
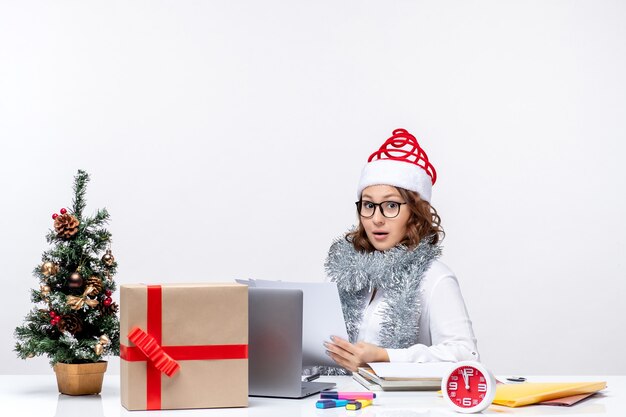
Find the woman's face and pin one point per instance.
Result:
(385, 233)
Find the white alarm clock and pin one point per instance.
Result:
(468, 387)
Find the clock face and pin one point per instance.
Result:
(469, 388)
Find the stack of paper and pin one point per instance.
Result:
(517, 395)
(401, 376)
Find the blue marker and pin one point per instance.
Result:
(331, 403)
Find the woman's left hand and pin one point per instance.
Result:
(351, 356)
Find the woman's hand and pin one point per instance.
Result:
(351, 356)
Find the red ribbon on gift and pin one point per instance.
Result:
(163, 358)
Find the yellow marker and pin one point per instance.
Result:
(357, 404)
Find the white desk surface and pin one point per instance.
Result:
(37, 395)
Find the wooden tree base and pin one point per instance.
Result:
(80, 379)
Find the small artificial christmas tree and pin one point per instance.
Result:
(74, 320)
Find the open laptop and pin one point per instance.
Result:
(275, 345)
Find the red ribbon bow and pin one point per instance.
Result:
(153, 351)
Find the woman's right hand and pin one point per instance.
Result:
(352, 355)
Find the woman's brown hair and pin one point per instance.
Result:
(424, 222)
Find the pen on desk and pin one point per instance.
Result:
(330, 403)
(344, 395)
(358, 404)
(310, 378)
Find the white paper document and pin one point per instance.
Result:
(322, 316)
(411, 370)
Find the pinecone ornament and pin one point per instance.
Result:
(66, 225)
(70, 323)
(108, 310)
(94, 282)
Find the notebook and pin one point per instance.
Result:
(275, 345)
(400, 376)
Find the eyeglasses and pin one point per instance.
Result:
(389, 209)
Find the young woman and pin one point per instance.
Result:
(399, 301)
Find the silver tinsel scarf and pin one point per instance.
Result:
(397, 271)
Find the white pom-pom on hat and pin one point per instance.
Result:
(399, 162)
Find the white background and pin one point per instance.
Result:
(226, 139)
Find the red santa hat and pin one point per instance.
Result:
(400, 162)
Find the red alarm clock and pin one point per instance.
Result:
(468, 387)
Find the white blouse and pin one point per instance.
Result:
(445, 329)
